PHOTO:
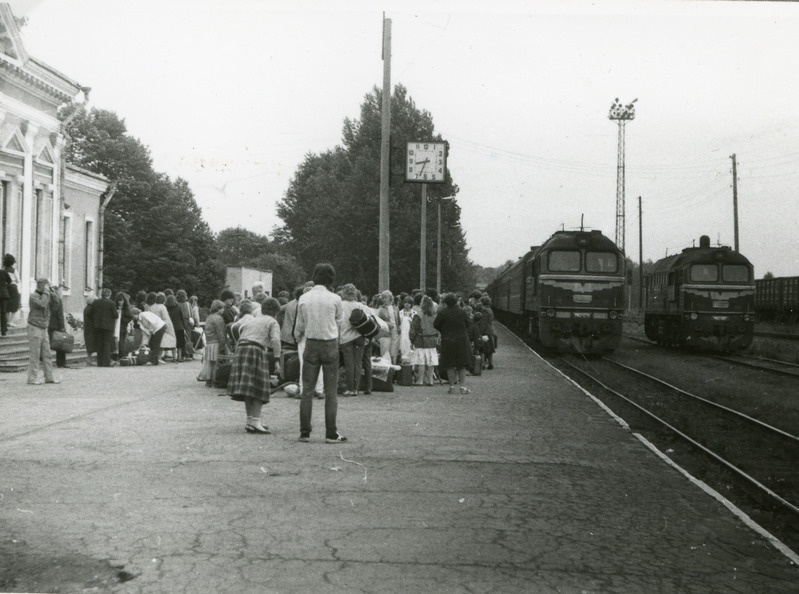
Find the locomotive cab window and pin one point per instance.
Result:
(734, 273)
(704, 273)
(601, 262)
(563, 261)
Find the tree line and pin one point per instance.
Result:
(155, 235)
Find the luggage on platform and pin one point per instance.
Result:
(62, 342)
(290, 366)
(197, 338)
(382, 376)
(222, 374)
(143, 356)
(477, 365)
(127, 361)
(405, 375)
(364, 323)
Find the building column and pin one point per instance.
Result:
(26, 266)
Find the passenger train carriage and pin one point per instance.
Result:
(567, 294)
(702, 297)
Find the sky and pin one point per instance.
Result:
(231, 96)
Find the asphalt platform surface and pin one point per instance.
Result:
(141, 479)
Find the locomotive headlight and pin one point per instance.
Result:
(613, 315)
(550, 313)
(694, 316)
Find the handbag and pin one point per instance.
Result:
(62, 342)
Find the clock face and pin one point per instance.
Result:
(426, 162)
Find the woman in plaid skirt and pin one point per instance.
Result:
(249, 374)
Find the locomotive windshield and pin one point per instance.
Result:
(601, 262)
(734, 273)
(563, 261)
(706, 273)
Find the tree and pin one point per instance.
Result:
(155, 237)
(330, 211)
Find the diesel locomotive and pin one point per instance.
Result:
(567, 294)
(703, 297)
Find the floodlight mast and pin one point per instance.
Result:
(621, 114)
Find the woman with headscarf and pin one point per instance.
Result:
(456, 353)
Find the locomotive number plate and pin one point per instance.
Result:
(582, 314)
(720, 318)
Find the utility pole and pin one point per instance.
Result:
(385, 161)
(640, 258)
(423, 250)
(735, 197)
(621, 114)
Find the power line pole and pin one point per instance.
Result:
(622, 114)
(423, 250)
(640, 258)
(735, 198)
(385, 161)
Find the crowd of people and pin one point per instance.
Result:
(438, 337)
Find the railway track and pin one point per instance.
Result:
(778, 335)
(762, 364)
(759, 456)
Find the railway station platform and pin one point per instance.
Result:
(141, 479)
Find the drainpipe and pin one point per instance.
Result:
(112, 189)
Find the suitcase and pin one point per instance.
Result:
(380, 385)
(290, 366)
(222, 374)
(405, 376)
(477, 365)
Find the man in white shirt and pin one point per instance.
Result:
(152, 329)
(319, 312)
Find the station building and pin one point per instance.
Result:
(50, 210)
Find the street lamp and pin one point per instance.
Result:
(621, 114)
(438, 248)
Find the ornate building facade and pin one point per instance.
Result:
(50, 211)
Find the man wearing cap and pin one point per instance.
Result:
(38, 321)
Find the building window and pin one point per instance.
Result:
(90, 255)
(66, 272)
